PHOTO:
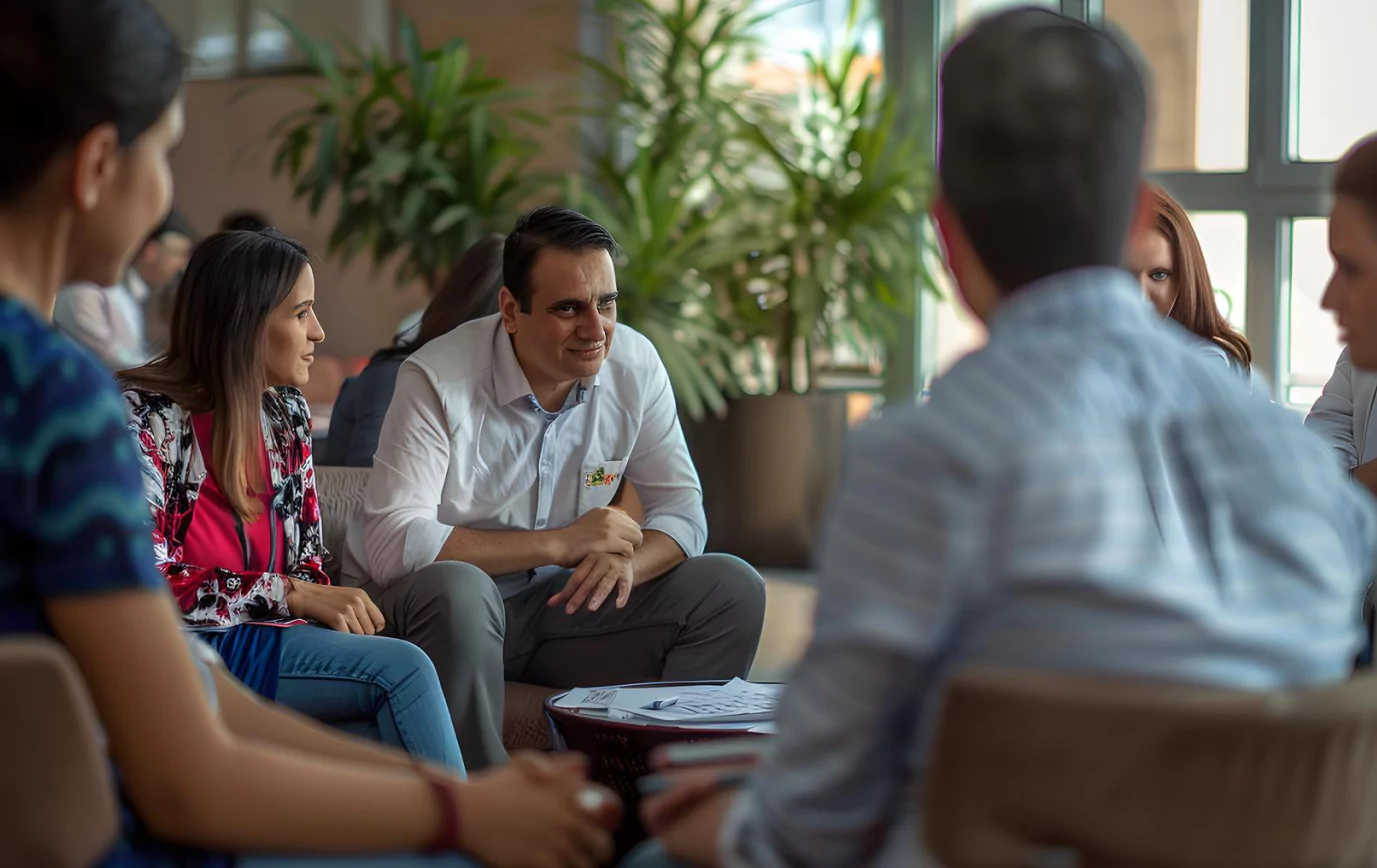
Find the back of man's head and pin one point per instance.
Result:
(1042, 124)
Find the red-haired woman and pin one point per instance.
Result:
(1171, 267)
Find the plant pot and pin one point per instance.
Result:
(768, 472)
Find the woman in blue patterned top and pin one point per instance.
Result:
(92, 101)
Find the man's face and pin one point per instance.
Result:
(1352, 291)
(164, 259)
(567, 331)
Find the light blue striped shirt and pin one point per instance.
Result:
(1088, 491)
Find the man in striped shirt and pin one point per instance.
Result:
(1087, 492)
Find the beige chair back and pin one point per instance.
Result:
(57, 799)
(1147, 775)
(340, 490)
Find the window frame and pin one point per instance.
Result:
(1270, 191)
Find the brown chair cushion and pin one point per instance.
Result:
(1137, 774)
(57, 800)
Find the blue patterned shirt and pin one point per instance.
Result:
(73, 519)
(1087, 492)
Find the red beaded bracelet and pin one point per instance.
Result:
(447, 839)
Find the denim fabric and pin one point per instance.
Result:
(382, 688)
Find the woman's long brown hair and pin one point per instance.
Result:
(214, 359)
(1356, 176)
(1195, 306)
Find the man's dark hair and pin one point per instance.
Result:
(69, 66)
(246, 220)
(1042, 123)
(549, 226)
(175, 223)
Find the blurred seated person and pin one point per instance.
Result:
(226, 453)
(470, 292)
(1087, 492)
(120, 323)
(1170, 266)
(1345, 415)
(247, 220)
(207, 774)
(489, 529)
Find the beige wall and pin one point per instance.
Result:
(225, 161)
(1167, 32)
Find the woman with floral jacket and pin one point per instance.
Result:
(225, 444)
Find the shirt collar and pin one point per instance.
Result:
(1081, 297)
(509, 382)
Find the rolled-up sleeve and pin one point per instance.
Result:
(663, 472)
(401, 529)
(1332, 415)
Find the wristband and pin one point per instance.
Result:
(447, 838)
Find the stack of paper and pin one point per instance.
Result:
(736, 702)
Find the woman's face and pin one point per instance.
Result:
(122, 194)
(1352, 291)
(291, 335)
(1151, 261)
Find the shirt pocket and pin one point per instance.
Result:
(598, 483)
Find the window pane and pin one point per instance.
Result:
(208, 29)
(962, 13)
(1224, 239)
(1198, 53)
(1312, 337)
(1335, 68)
(816, 26)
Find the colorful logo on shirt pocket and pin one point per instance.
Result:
(599, 477)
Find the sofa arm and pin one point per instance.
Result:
(57, 807)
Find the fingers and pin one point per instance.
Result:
(663, 810)
(375, 614)
(624, 590)
(606, 585)
(596, 583)
(580, 575)
(351, 622)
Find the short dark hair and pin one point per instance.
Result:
(69, 66)
(1356, 176)
(548, 226)
(175, 223)
(246, 220)
(1042, 122)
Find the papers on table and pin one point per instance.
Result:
(736, 705)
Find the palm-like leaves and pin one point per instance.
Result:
(422, 162)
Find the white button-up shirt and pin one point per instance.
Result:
(465, 444)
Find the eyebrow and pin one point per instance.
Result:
(566, 302)
(310, 302)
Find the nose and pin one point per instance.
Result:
(315, 334)
(1332, 296)
(590, 328)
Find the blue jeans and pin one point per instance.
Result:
(649, 855)
(379, 688)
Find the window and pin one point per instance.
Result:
(1198, 53)
(965, 12)
(229, 38)
(1224, 240)
(1312, 338)
(1334, 103)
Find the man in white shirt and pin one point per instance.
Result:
(490, 531)
(114, 322)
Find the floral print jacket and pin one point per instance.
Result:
(173, 471)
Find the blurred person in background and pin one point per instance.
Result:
(1170, 266)
(470, 292)
(226, 449)
(1345, 415)
(246, 220)
(125, 324)
(203, 768)
(1087, 492)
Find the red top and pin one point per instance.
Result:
(214, 537)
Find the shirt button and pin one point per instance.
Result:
(540, 525)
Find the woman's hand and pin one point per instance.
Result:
(537, 812)
(348, 610)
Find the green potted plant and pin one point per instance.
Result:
(421, 158)
(668, 180)
(845, 185)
